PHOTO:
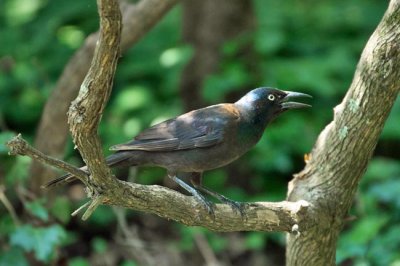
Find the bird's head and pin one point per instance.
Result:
(267, 103)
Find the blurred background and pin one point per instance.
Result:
(200, 53)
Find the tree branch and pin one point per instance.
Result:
(85, 111)
(19, 146)
(344, 148)
(284, 216)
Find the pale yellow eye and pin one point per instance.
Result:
(271, 97)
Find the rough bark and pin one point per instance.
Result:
(52, 132)
(83, 114)
(207, 25)
(344, 148)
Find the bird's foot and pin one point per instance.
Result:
(208, 205)
(238, 207)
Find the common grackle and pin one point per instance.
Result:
(202, 140)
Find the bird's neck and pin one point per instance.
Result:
(258, 118)
(253, 126)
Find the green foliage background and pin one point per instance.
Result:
(308, 46)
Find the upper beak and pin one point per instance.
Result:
(293, 105)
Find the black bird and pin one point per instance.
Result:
(202, 140)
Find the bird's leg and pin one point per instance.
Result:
(196, 194)
(196, 179)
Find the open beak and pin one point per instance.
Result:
(286, 105)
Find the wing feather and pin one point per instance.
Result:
(197, 129)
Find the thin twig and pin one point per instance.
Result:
(18, 145)
(7, 204)
(95, 202)
(80, 209)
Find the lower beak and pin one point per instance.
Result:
(294, 105)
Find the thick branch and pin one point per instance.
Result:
(284, 216)
(344, 148)
(261, 216)
(85, 111)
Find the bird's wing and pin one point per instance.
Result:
(197, 129)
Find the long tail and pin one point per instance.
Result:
(113, 160)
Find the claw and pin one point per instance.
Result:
(208, 205)
(238, 207)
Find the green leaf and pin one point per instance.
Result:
(387, 192)
(392, 128)
(384, 249)
(41, 240)
(269, 42)
(21, 11)
(175, 56)
(6, 225)
(132, 98)
(255, 240)
(365, 230)
(61, 209)
(381, 168)
(354, 243)
(103, 216)
(24, 237)
(38, 210)
(19, 170)
(78, 262)
(215, 179)
(217, 242)
(128, 263)
(187, 240)
(99, 245)
(14, 256)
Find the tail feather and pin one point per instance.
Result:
(62, 180)
(112, 160)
